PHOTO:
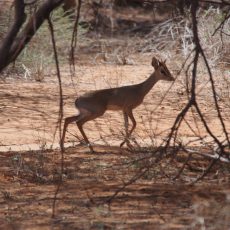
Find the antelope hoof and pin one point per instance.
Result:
(92, 151)
(91, 148)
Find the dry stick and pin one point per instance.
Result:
(177, 122)
(195, 122)
(9, 37)
(187, 90)
(131, 181)
(185, 61)
(74, 34)
(215, 139)
(221, 25)
(74, 43)
(221, 28)
(73, 46)
(74, 135)
(60, 116)
(176, 128)
(193, 131)
(183, 167)
(199, 50)
(215, 98)
(157, 150)
(182, 114)
(192, 100)
(26, 34)
(187, 78)
(131, 162)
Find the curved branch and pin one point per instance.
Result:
(75, 33)
(19, 19)
(60, 111)
(30, 29)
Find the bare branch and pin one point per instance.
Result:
(7, 42)
(221, 25)
(17, 44)
(60, 117)
(75, 33)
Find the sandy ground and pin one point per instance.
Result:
(29, 109)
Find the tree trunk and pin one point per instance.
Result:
(14, 43)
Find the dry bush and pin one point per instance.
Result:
(174, 36)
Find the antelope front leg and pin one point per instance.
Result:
(126, 124)
(128, 114)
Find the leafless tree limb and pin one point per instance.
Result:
(14, 43)
(60, 117)
(19, 19)
(75, 33)
(221, 25)
(193, 101)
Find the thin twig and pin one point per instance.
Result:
(60, 117)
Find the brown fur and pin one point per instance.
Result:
(94, 104)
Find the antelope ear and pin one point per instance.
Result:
(165, 61)
(155, 63)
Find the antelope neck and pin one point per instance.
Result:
(147, 85)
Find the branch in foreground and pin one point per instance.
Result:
(193, 102)
(7, 42)
(60, 117)
(22, 39)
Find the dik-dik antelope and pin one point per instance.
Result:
(94, 104)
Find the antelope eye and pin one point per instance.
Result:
(163, 72)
